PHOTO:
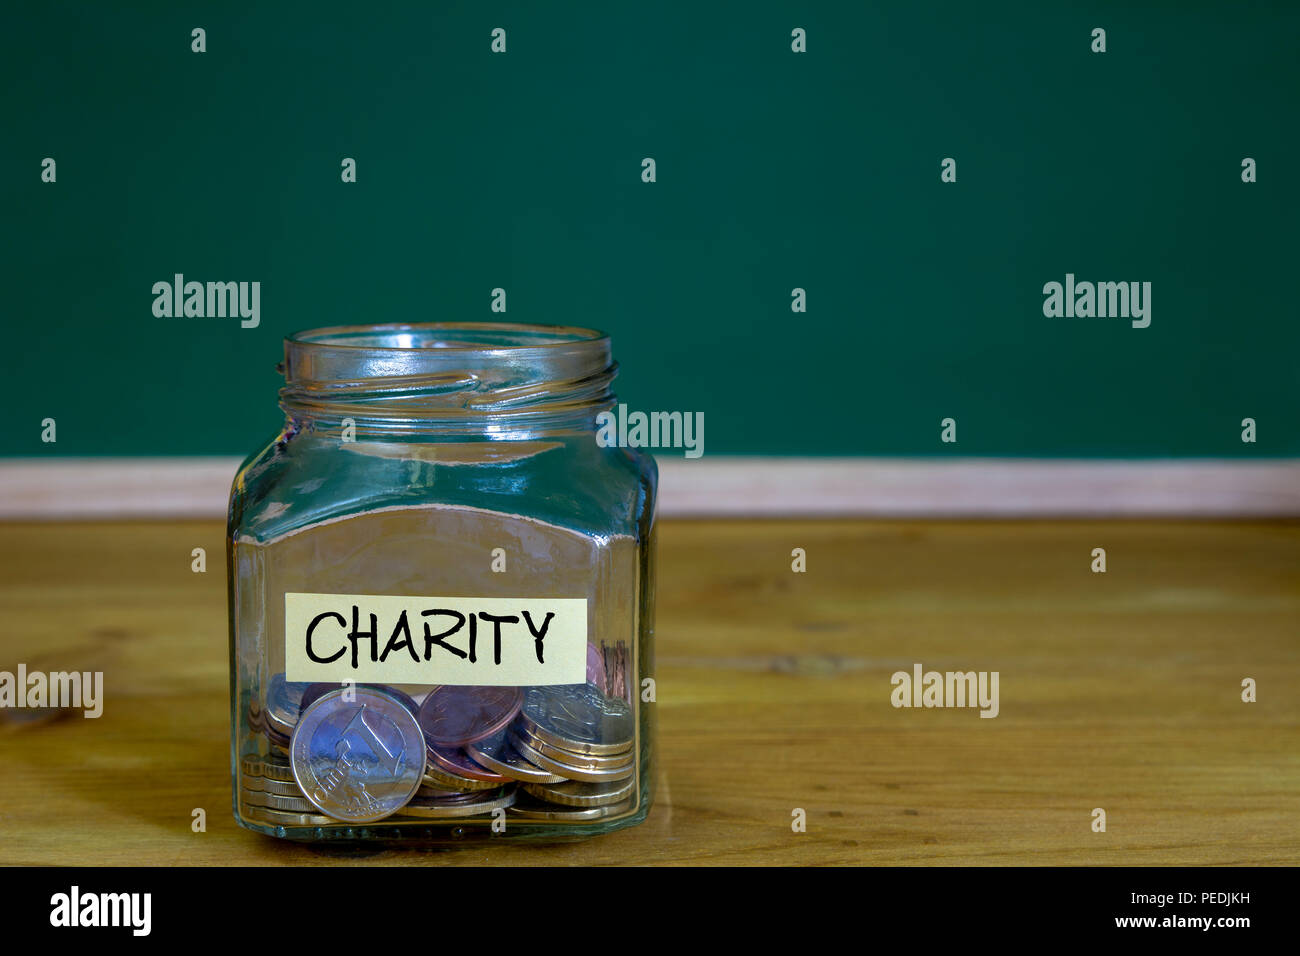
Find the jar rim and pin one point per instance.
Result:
(528, 338)
(471, 373)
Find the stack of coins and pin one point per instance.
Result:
(582, 740)
(367, 753)
(568, 748)
(269, 795)
(279, 716)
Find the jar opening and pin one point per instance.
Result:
(469, 336)
(397, 374)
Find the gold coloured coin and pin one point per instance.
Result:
(277, 787)
(529, 809)
(279, 818)
(439, 779)
(587, 773)
(579, 718)
(569, 757)
(268, 769)
(445, 809)
(497, 753)
(276, 802)
(577, 793)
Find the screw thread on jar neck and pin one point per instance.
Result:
(489, 379)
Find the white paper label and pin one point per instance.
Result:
(386, 639)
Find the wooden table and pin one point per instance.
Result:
(1119, 690)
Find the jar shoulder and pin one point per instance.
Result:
(297, 481)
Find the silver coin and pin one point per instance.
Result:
(314, 692)
(275, 801)
(443, 809)
(440, 779)
(268, 769)
(358, 760)
(568, 771)
(283, 704)
(497, 753)
(528, 808)
(578, 717)
(568, 757)
(279, 787)
(576, 793)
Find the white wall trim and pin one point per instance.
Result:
(66, 488)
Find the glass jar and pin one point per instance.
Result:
(442, 592)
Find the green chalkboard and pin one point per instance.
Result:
(775, 170)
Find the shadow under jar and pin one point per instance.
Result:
(442, 592)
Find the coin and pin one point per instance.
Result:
(453, 716)
(595, 666)
(566, 770)
(439, 809)
(499, 754)
(270, 769)
(580, 794)
(456, 761)
(440, 779)
(529, 808)
(276, 802)
(283, 703)
(433, 793)
(262, 785)
(315, 692)
(568, 757)
(427, 795)
(358, 760)
(280, 818)
(578, 717)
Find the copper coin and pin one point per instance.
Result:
(434, 793)
(457, 761)
(595, 666)
(453, 716)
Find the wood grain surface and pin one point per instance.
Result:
(1119, 690)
